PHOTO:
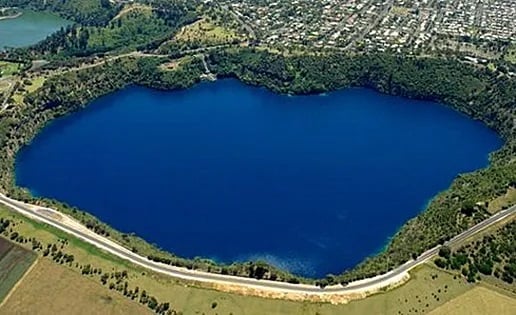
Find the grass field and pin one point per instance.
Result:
(50, 288)
(207, 33)
(4, 86)
(8, 68)
(14, 262)
(132, 7)
(28, 86)
(35, 83)
(479, 300)
(398, 10)
(503, 202)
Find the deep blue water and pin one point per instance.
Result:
(313, 184)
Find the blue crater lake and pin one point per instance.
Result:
(313, 184)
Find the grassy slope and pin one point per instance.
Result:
(480, 300)
(207, 33)
(27, 86)
(8, 68)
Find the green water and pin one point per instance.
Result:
(30, 28)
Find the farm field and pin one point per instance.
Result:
(5, 246)
(53, 289)
(14, 262)
(479, 300)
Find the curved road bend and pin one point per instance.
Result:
(182, 273)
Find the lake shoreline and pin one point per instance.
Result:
(162, 257)
(360, 104)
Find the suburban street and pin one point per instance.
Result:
(69, 225)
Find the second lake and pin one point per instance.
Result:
(29, 28)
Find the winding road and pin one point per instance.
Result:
(69, 225)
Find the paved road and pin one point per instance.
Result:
(183, 273)
(140, 54)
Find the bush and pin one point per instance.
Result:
(441, 263)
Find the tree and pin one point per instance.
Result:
(485, 267)
(468, 207)
(445, 252)
(153, 303)
(441, 263)
(507, 277)
(86, 269)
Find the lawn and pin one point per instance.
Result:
(479, 300)
(134, 7)
(503, 202)
(35, 83)
(4, 85)
(14, 262)
(50, 288)
(207, 33)
(27, 86)
(8, 68)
